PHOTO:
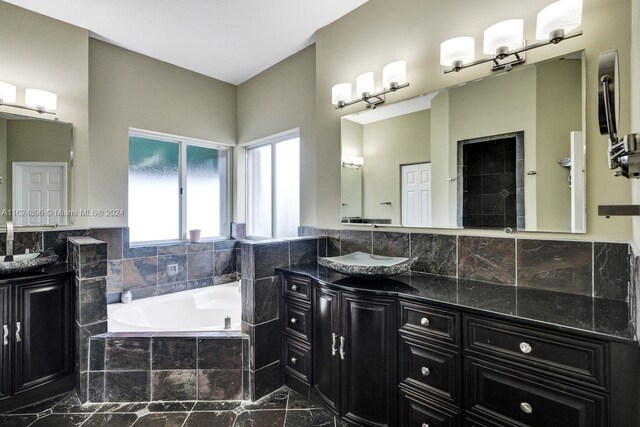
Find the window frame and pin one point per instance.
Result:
(183, 143)
(272, 141)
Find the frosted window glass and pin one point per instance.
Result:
(287, 188)
(207, 191)
(154, 190)
(259, 191)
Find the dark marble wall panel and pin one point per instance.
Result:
(219, 384)
(225, 262)
(172, 288)
(267, 380)
(174, 353)
(163, 263)
(222, 245)
(487, 258)
(139, 273)
(172, 249)
(31, 240)
(200, 265)
(127, 386)
(553, 264)
(391, 244)
(436, 253)
(173, 385)
(128, 354)
(112, 237)
(356, 241)
(303, 251)
(199, 247)
(57, 240)
(267, 343)
(220, 353)
(238, 230)
(611, 271)
(267, 257)
(91, 300)
(266, 297)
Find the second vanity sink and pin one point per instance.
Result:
(26, 262)
(20, 258)
(360, 264)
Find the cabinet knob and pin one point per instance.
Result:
(424, 321)
(525, 347)
(294, 360)
(425, 371)
(526, 408)
(293, 320)
(294, 288)
(425, 425)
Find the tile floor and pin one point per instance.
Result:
(281, 408)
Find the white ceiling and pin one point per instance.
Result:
(412, 105)
(230, 40)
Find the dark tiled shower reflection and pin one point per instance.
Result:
(489, 183)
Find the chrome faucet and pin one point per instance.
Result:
(9, 251)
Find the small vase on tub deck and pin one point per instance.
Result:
(194, 236)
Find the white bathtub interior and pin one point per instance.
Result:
(195, 310)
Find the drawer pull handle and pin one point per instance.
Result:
(293, 360)
(526, 408)
(294, 288)
(425, 371)
(424, 321)
(334, 349)
(525, 347)
(293, 320)
(342, 348)
(18, 339)
(5, 338)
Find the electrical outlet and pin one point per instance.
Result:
(172, 269)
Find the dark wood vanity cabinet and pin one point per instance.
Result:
(37, 339)
(387, 360)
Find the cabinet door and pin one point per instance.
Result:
(42, 333)
(368, 359)
(326, 329)
(5, 344)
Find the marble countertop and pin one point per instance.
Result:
(596, 317)
(60, 268)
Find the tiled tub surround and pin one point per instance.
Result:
(143, 367)
(143, 270)
(261, 304)
(596, 269)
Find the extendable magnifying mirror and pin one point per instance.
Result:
(623, 152)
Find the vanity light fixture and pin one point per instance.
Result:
(505, 43)
(394, 77)
(35, 99)
(355, 162)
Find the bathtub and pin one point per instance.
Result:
(188, 311)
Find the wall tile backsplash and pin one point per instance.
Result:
(574, 267)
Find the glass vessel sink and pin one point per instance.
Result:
(27, 262)
(360, 264)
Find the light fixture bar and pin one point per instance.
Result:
(373, 99)
(517, 53)
(40, 110)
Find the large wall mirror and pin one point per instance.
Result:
(35, 171)
(503, 152)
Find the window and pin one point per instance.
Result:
(273, 187)
(176, 185)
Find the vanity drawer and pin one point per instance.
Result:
(297, 287)
(430, 323)
(296, 359)
(552, 354)
(417, 411)
(297, 319)
(512, 397)
(430, 369)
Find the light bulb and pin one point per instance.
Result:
(7, 93)
(559, 18)
(341, 93)
(395, 72)
(40, 99)
(365, 84)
